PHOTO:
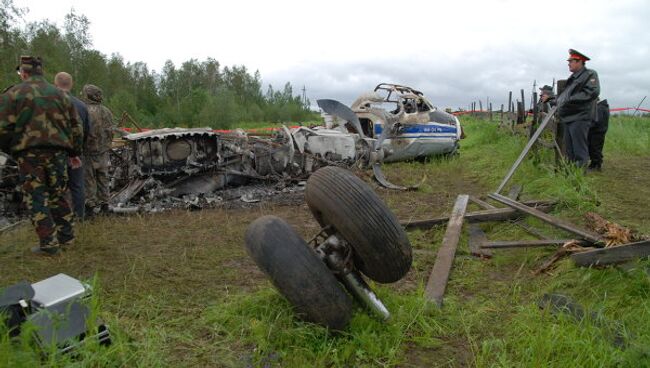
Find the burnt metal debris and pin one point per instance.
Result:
(11, 200)
(195, 168)
(156, 170)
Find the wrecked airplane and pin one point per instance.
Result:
(412, 126)
(195, 168)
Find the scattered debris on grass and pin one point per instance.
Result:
(613, 233)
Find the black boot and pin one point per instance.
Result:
(46, 250)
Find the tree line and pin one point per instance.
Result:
(193, 94)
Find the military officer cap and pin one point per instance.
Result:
(546, 88)
(577, 55)
(31, 64)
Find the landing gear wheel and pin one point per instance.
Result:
(339, 199)
(298, 273)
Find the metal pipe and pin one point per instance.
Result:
(361, 291)
(332, 252)
(639, 105)
(523, 154)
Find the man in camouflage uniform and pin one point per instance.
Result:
(98, 143)
(577, 107)
(40, 127)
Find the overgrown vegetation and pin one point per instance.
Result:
(193, 94)
(178, 289)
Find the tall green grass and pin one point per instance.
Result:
(263, 329)
(628, 135)
(492, 152)
(614, 332)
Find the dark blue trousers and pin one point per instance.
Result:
(77, 191)
(575, 139)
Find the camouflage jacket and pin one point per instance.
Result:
(36, 114)
(100, 135)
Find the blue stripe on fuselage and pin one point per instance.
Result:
(420, 128)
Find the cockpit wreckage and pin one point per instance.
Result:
(196, 168)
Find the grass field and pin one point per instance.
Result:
(177, 288)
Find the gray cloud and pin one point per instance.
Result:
(457, 82)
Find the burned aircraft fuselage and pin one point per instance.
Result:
(417, 128)
(178, 162)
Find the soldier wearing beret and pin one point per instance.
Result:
(577, 107)
(40, 128)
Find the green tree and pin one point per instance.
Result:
(45, 40)
(198, 93)
(11, 41)
(77, 37)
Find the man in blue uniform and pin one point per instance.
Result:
(577, 107)
(63, 81)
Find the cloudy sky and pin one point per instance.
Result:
(454, 51)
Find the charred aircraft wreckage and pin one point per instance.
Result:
(195, 168)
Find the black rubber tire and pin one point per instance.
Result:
(297, 272)
(338, 198)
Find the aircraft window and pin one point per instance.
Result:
(392, 107)
(422, 107)
(409, 107)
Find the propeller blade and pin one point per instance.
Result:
(379, 176)
(389, 123)
(336, 108)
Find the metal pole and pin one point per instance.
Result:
(639, 105)
(523, 154)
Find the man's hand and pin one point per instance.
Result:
(74, 162)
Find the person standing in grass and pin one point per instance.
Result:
(96, 150)
(40, 127)
(597, 136)
(546, 98)
(577, 107)
(63, 81)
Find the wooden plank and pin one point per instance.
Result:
(510, 101)
(612, 255)
(437, 283)
(562, 224)
(524, 243)
(514, 193)
(496, 214)
(481, 203)
(476, 239)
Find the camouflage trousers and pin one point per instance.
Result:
(96, 179)
(44, 179)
